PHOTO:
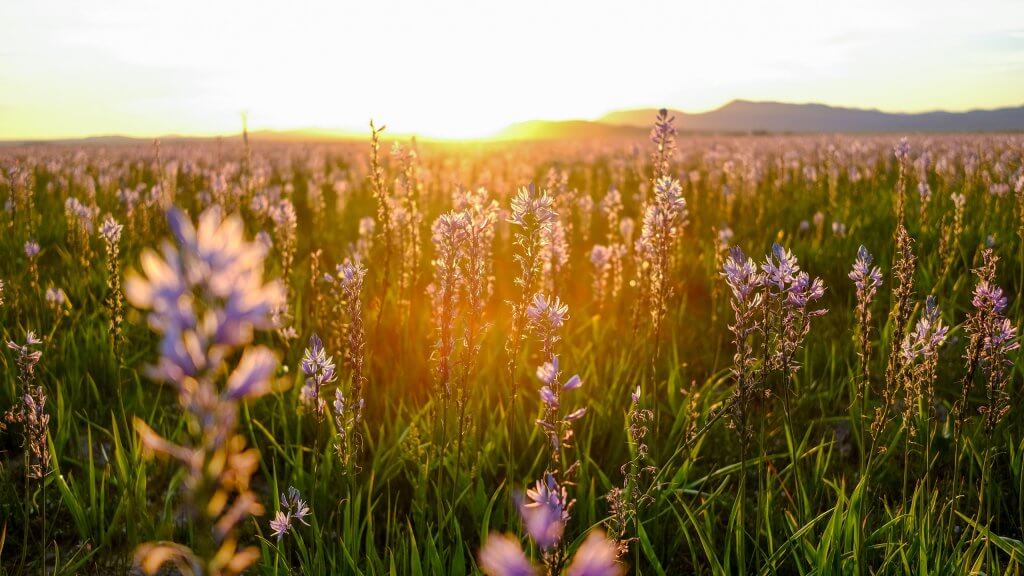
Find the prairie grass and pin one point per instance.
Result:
(721, 435)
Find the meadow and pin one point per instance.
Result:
(681, 354)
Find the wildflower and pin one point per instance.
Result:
(902, 150)
(928, 334)
(548, 314)
(347, 286)
(32, 253)
(449, 233)
(867, 280)
(663, 135)
(319, 370)
(57, 300)
(293, 508)
(664, 220)
(206, 296)
(110, 231)
(992, 337)
(597, 556)
(501, 555)
(31, 411)
(281, 524)
(545, 512)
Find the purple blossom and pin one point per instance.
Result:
(502, 555)
(741, 275)
(532, 206)
(865, 278)
(110, 230)
(928, 334)
(545, 512)
(547, 312)
(780, 268)
(989, 298)
(597, 556)
(280, 525)
(902, 149)
(319, 369)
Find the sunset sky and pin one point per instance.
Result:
(468, 68)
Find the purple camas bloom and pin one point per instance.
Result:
(281, 524)
(597, 556)
(545, 512)
(110, 230)
(532, 206)
(989, 298)
(780, 268)
(803, 291)
(501, 555)
(741, 275)
(902, 149)
(206, 296)
(319, 370)
(865, 278)
(293, 508)
(31, 249)
(215, 262)
(1002, 339)
(928, 334)
(663, 135)
(546, 312)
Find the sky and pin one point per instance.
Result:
(466, 68)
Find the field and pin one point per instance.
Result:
(678, 354)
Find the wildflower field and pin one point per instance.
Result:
(681, 354)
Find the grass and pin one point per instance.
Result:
(805, 495)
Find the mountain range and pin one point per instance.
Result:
(736, 117)
(744, 116)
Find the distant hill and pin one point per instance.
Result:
(738, 116)
(747, 116)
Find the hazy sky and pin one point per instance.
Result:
(463, 68)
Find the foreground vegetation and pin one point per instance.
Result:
(391, 357)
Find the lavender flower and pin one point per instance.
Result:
(293, 508)
(319, 370)
(347, 286)
(867, 280)
(545, 512)
(597, 556)
(32, 253)
(927, 336)
(663, 135)
(31, 411)
(110, 231)
(206, 296)
(501, 555)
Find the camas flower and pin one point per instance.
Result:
(780, 268)
(213, 260)
(319, 369)
(740, 273)
(597, 556)
(110, 230)
(928, 334)
(545, 512)
(865, 278)
(532, 207)
(501, 555)
(546, 312)
(989, 298)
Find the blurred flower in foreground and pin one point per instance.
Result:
(206, 296)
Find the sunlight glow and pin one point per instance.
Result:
(461, 69)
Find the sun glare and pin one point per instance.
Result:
(462, 69)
